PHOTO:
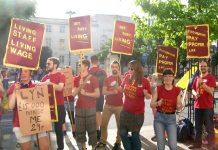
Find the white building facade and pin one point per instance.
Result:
(57, 33)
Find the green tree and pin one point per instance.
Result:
(169, 18)
(45, 54)
(23, 9)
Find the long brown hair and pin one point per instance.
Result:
(138, 72)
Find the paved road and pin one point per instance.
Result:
(9, 141)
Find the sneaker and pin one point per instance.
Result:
(154, 138)
(74, 134)
(194, 146)
(116, 146)
(100, 144)
(98, 135)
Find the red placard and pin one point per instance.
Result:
(80, 34)
(197, 39)
(166, 58)
(24, 45)
(123, 38)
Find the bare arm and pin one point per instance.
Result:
(147, 95)
(109, 92)
(58, 87)
(94, 94)
(179, 103)
(154, 103)
(12, 97)
(75, 91)
(208, 89)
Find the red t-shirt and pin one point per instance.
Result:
(134, 96)
(110, 83)
(205, 100)
(169, 98)
(15, 112)
(93, 70)
(56, 78)
(90, 86)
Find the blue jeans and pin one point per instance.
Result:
(132, 143)
(165, 122)
(204, 116)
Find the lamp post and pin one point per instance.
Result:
(70, 13)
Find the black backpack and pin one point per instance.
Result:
(184, 130)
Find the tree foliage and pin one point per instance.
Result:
(45, 54)
(23, 9)
(169, 19)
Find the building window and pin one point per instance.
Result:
(61, 59)
(48, 28)
(61, 44)
(62, 29)
(48, 42)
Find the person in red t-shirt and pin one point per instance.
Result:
(203, 88)
(100, 74)
(136, 88)
(24, 141)
(57, 80)
(113, 104)
(87, 88)
(167, 100)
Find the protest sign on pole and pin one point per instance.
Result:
(80, 34)
(68, 81)
(197, 40)
(33, 110)
(123, 38)
(53, 104)
(24, 44)
(167, 57)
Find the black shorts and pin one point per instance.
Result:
(61, 114)
(100, 103)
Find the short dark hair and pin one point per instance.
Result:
(168, 72)
(94, 59)
(115, 62)
(55, 61)
(86, 63)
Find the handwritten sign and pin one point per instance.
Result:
(166, 58)
(53, 104)
(68, 81)
(197, 40)
(24, 44)
(80, 34)
(123, 38)
(33, 110)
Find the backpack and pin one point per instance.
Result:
(184, 130)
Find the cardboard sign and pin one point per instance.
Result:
(33, 110)
(24, 45)
(53, 104)
(80, 34)
(197, 40)
(123, 38)
(166, 58)
(68, 86)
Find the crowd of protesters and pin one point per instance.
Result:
(100, 96)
